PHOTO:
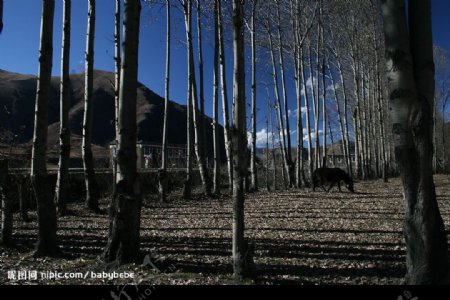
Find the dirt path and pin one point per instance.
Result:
(300, 238)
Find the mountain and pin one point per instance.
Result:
(17, 101)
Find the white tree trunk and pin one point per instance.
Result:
(123, 244)
(239, 250)
(411, 92)
(46, 210)
(225, 108)
(62, 182)
(92, 194)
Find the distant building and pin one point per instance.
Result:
(149, 155)
(335, 154)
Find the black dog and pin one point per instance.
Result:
(322, 176)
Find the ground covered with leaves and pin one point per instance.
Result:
(300, 237)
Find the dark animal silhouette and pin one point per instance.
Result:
(322, 176)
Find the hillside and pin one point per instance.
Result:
(17, 100)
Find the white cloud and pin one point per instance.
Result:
(330, 88)
(262, 135)
(293, 112)
(310, 81)
(303, 109)
(313, 134)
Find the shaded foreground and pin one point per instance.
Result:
(300, 238)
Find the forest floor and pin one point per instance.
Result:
(300, 237)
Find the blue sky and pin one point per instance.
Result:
(19, 44)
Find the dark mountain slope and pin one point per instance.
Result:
(17, 99)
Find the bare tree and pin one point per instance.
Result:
(201, 93)
(274, 156)
(300, 34)
(284, 91)
(253, 169)
(442, 61)
(187, 186)
(216, 176)
(117, 63)
(339, 115)
(46, 210)
(225, 108)
(308, 120)
(379, 97)
(162, 172)
(125, 210)
(198, 143)
(92, 191)
(240, 247)
(278, 102)
(315, 86)
(62, 183)
(410, 70)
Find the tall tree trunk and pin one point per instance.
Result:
(299, 172)
(308, 119)
(240, 253)
(202, 120)
(357, 145)
(7, 203)
(278, 104)
(162, 174)
(274, 156)
(296, 58)
(357, 123)
(346, 120)
(125, 211)
(316, 93)
(187, 186)
(216, 176)
(381, 129)
(253, 169)
(411, 86)
(374, 139)
(117, 65)
(198, 143)
(62, 183)
(284, 91)
(332, 142)
(366, 122)
(283, 170)
(324, 119)
(324, 87)
(46, 210)
(225, 108)
(363, 121)
(339, 115)
(315, 100)
(379, 108)
(92, 194)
